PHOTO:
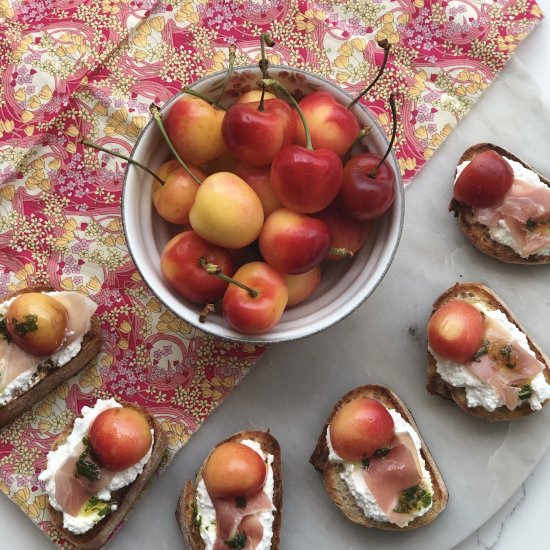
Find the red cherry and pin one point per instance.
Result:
(362, 195)
(485, 180)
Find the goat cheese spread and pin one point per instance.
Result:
(480, 393)
(352, 473)
(206, 513)
(87, 519)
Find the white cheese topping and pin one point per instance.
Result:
(207, 513)
(85, 521)
(500, 232)
(478, 392)
(29, 378)
(352, 473)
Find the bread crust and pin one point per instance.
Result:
(337, 487)
(475, 292)
(91, 345)
(187, 501)
(478, 233)
(125, 497)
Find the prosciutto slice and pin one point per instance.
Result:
(388, 476)
(80, 308)
(72, 492)
(523, 202)
(232, 519)
(14, 361)
(506, 380)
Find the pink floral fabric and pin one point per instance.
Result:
(77, 68)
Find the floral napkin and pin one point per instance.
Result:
(91, 68)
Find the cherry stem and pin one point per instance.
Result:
(155, 111)
(272, 83)
(344, 252)
(216, 270)
(386, 47)
(205, 312)
(363, 133)
(208, 100)
(265, 39)
(232, 55)
(123, 157)
(373, 172)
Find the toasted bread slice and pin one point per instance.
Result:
(125, 497)
(337, 487)
(52, 377)
(478, 292)
(478, 233)
(187, 508)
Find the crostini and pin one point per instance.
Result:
(502, 205)
(45, 338)
(236, 498)
(369, 436)
(98, 467)
(480, 357)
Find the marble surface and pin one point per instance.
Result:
(293, 387)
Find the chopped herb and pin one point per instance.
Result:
(87, 468)
(29, 324)
(240, 502)
(526, 392)
(4, 330)
(197, 519)
(237, 542)
(100, 506)
(531, 225)
(365, 463)
(383, 451)
(483, 350)
(506, 352)
(413, 498)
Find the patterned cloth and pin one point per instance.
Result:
(91, 68)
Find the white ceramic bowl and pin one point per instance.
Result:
(345, 285)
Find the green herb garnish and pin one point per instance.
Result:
(240, 502)
(4, 330)
(197, 519)
(531, 225)
(526, 392)
(29, 324)
(237, 542)
(506, 352)
(483, 350)
(413, 498)
(100, 506)
(383, 451)
(87, 468)
(365, 463)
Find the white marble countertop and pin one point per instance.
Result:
(294, 385)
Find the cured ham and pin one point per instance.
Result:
(521, 204)
(388, 476)
(73, 491)
(14, 361)
(80, 309)
(506, 372)
(232, 518)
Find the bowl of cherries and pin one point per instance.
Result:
(272, 206)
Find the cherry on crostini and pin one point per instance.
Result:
(37, 323)
(485, 180)
(455, 331)
(234, 470)
(360, 428)
(120, 437)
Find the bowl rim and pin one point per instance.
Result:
(270, 338)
